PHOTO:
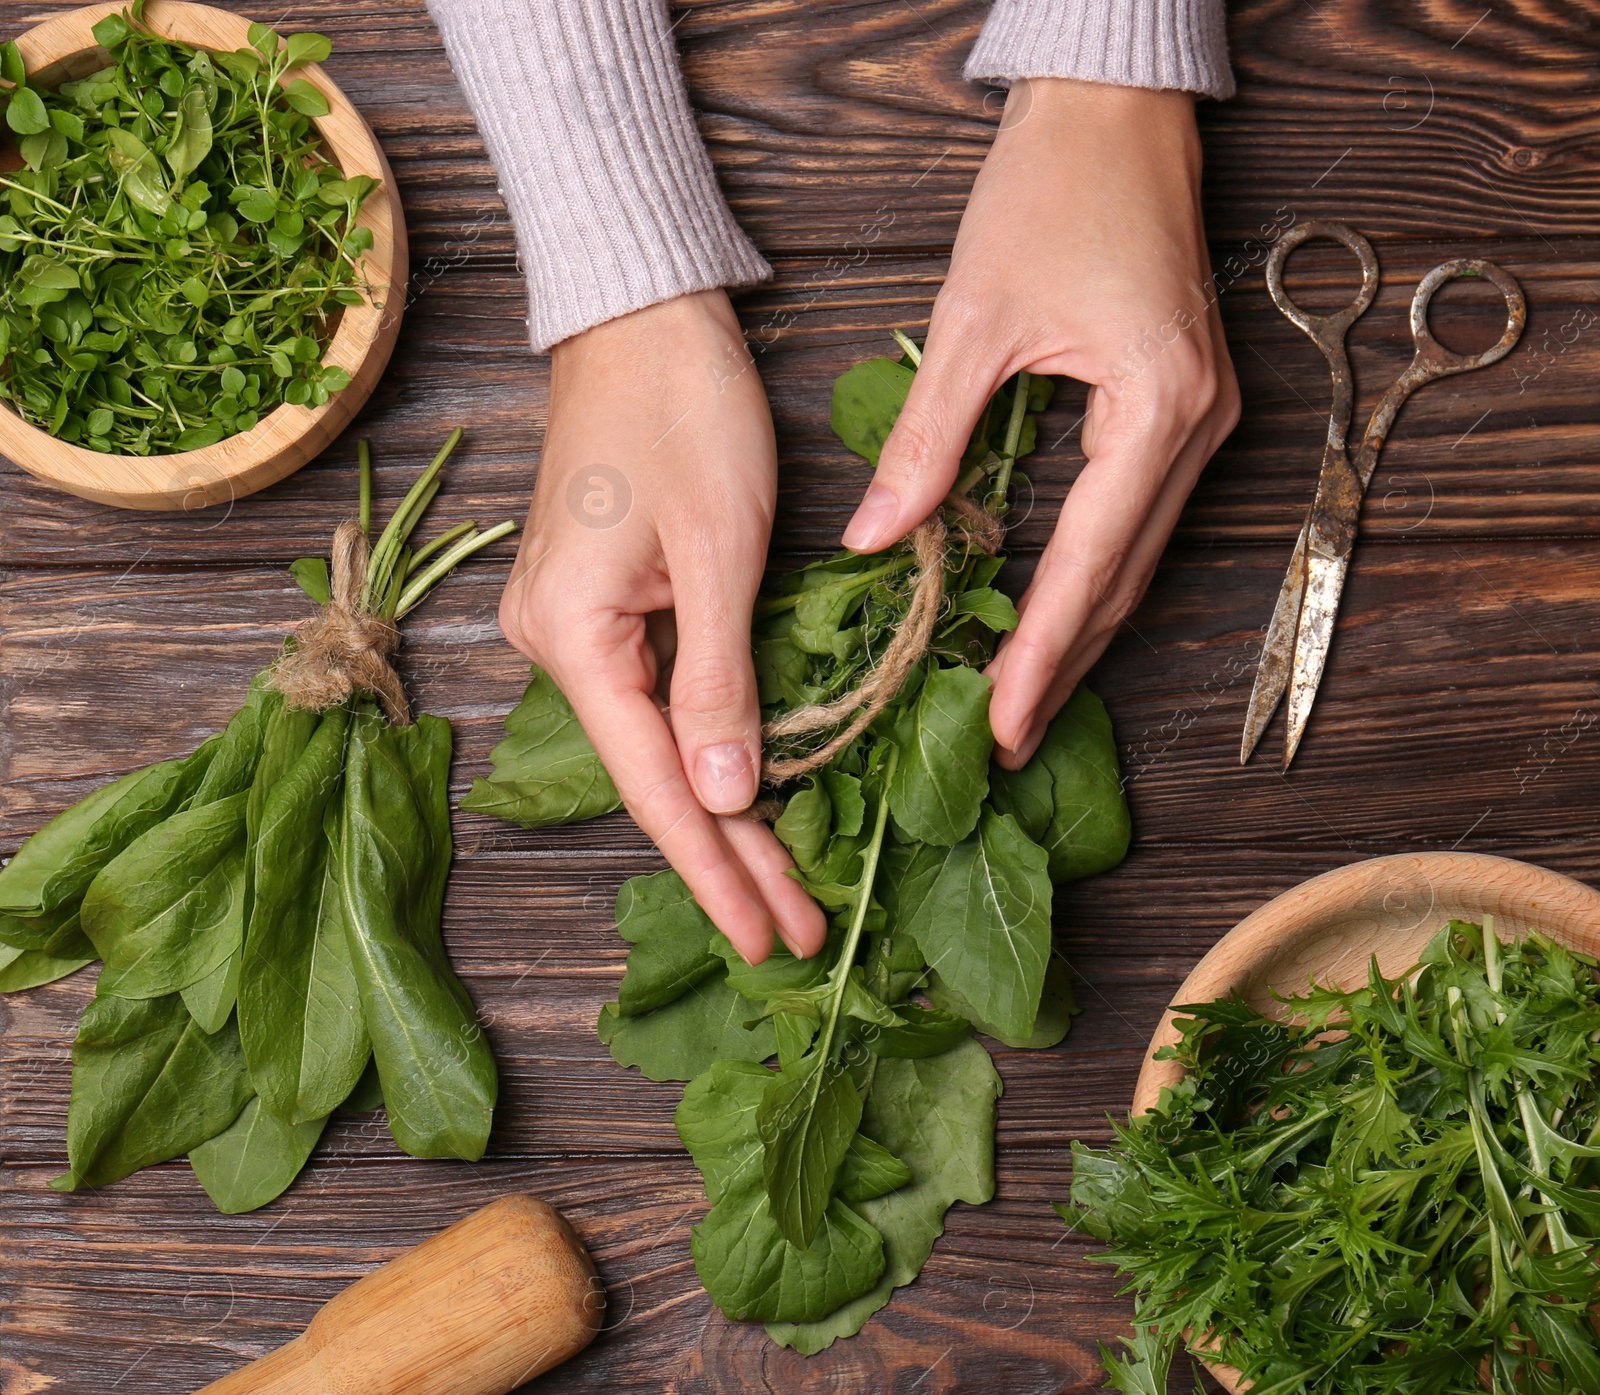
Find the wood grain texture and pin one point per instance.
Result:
(1461, 706)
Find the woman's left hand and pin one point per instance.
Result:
(1081, 253)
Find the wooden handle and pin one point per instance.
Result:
(499, 1297)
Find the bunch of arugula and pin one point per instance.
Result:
(177, 244)
(1392, 1191)
(268, 913)
(829, 1177)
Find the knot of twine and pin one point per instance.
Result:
(861, 706)
(344, 648)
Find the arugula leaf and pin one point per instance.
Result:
(1089, 828)
(545, 771)
(672, 938)
(684, 1038)
(943, 773)
(808, 1117)
(980, 913)
(750, 1270)
(866, 404)
(937, 1117)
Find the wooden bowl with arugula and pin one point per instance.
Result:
(212, 324)
(1328, 930)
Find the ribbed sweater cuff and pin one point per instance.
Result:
(587, 122)
(1181, 44)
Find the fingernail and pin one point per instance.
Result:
(873, 519)
(1029, 744)
(724, 778)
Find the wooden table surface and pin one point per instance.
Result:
(1459, 709)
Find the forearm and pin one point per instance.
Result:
(1174, 44)
(588, 124)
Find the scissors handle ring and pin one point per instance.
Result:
(1432, 359)
(1326, 331)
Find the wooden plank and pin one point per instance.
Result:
(1509, 449)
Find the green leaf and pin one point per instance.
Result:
(1146, 1367)
(1057, 1005)
(808, 1117)
(943, 772)
(300, 1018)
(682, 1039)
(68, 123)
(140, 172)
(438, 1077)
(311, 576)
(306, 99)
(12, 68)
(936, 1117)
(254, 1159)
(866, 403)
(58, 934)
(308, 48)
(1089, 828)
(110, 31)
(751, 1272)
(545, 771)
(44, 281)
(869, 1170)
(980, 913)
(25, 113)
(29, 968)
(192, 142)
(924, 1032)
(264, 40)
(211, 999)
(986, 605)
(56, 865)
(671, 938)
(170, 907)
(255, 204)
(147, 1085)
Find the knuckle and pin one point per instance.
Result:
(713, 690)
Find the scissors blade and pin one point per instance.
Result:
(1277, 651)
(1319, 608)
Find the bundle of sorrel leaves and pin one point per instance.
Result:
(177, 245)
(829, 1171)
(267, 910)
(1390, 1191)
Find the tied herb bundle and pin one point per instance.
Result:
(267, 909)
(177, 245)
(1394, 1190)
(829, 1176)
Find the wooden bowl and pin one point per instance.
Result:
(1329, 928)
(62, 49)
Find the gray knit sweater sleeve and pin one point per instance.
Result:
(587, 122)
(1180, 44)
(584, 112)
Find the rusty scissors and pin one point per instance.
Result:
(1295, 650)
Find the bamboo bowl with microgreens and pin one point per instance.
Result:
(1328, 931)
(286, 387)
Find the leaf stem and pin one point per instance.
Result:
(364, 463)
(417, 587)
(906, 342)
(1008, 457)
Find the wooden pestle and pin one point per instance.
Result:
(499, 1297)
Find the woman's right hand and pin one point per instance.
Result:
(642, 556)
